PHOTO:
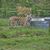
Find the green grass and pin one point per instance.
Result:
(7, 32)
(23, 38)
(25, 43)
(4, 22)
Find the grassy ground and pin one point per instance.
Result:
(25, 43)
(23, 38)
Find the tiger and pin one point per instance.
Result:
(22, 21)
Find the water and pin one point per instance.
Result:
(39, 24)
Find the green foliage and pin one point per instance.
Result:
(21, 31)
(8, 7)
(25, 43)
(4, 22)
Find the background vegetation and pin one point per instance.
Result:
(39, 7)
